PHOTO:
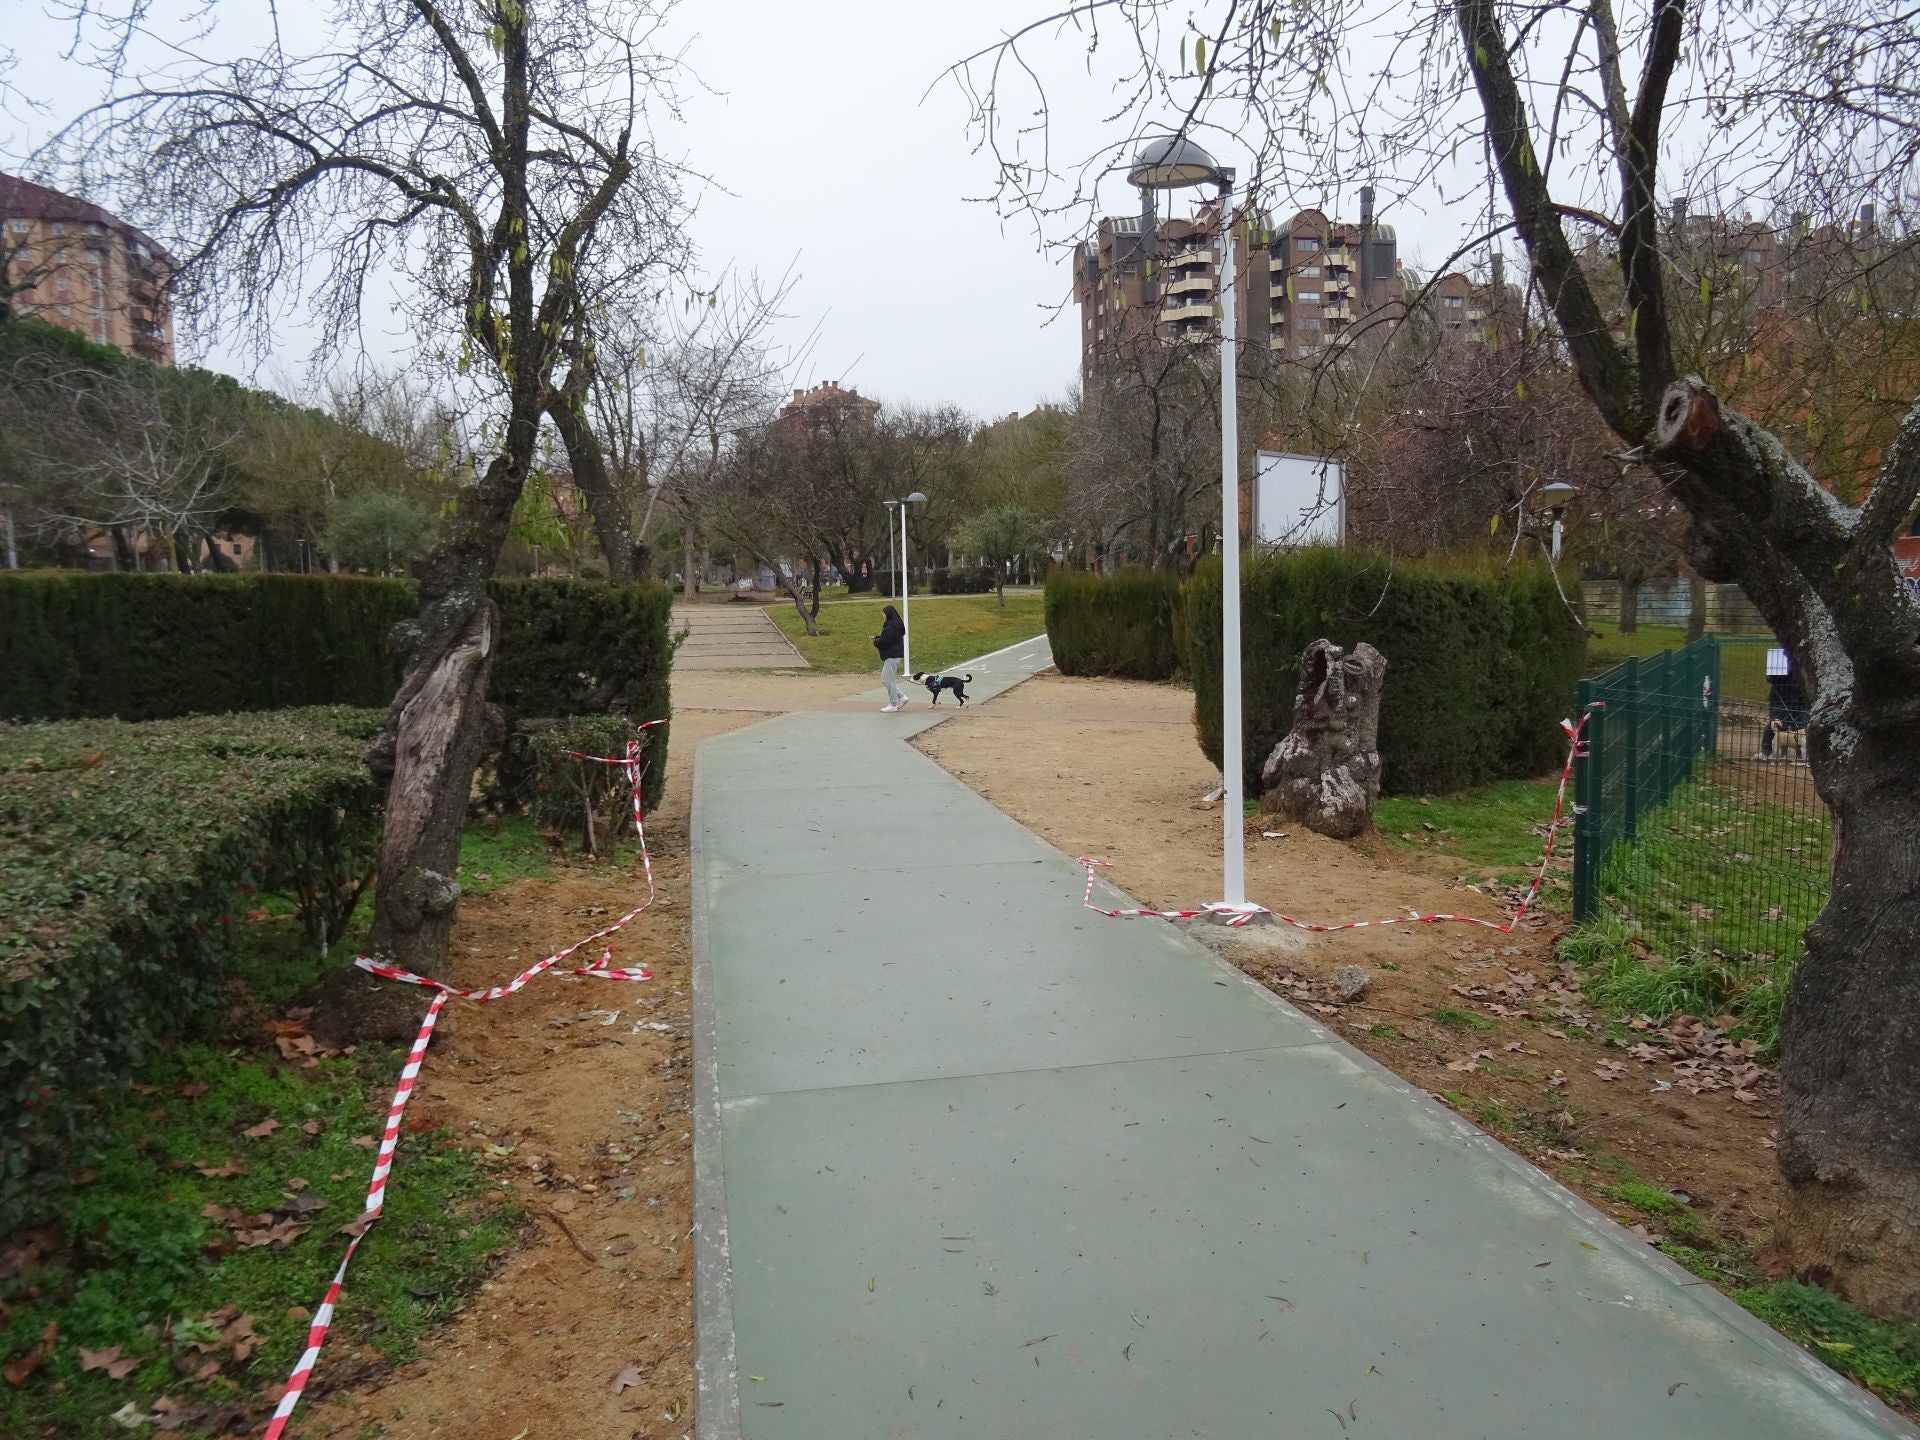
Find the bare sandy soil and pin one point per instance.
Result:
(587, 1330)
(1489, 1022)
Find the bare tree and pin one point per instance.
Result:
(495, 152)
(1811, 107)
(133, 451)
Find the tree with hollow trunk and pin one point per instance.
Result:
(1814, 111)
(490, 152)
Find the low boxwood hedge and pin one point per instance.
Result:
(125, 852)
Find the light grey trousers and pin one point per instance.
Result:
(889, 669)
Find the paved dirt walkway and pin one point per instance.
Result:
(972, 1161)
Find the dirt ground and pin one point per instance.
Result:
(1483, 1020)
(579, 1092)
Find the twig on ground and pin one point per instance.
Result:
(567, 1230)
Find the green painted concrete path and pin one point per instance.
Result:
(973, 1161)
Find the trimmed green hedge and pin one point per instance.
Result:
(1127, 625)
(1481, 663)
(152, 647)
(975, 580)
(124, 851)
(569, 647)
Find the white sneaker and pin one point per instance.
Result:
(888, 709)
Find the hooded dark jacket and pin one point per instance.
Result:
(891, 641)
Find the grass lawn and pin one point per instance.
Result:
(187, 1260)
(1742, 657)
(1494, 833)
(1611, 647)
(946, 630)
(1706, 909)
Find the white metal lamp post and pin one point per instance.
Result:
(893, 544)
(906, 589)
(1554, 499)
(1174, 164)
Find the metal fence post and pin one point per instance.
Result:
(1710, 695)
(1630, 693)
(1586, 829)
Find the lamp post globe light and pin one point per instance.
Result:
(1176, 163)
(1554, 498)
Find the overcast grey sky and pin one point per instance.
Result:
(826, 156)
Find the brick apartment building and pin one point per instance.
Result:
(824, 407)
(82, 268)
(1753, 265)
(1304, 286)
(1307, 288)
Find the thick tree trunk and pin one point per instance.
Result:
(1629, 606)
(1850, 1039)
(1326, 773)
(788, 583)
(689, 580)
(612, 525)
(1822, 574)
(1696, 607)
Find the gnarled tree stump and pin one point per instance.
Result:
(1326, 773)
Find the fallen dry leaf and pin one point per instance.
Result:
(18, 1371)
(225, 1171)
(312, 1127)
(262, 1130)
(192, 1089)
(298, 1047)
(625, 1380)
(357, 1228)
(625, 1245)
(117, 1366)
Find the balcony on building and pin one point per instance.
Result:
(1178, 310)
(1190, 284)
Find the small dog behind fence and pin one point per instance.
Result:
(1789, 744)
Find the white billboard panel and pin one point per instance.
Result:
(1298, 500)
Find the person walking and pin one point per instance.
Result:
(891, 643)
(1786, 701)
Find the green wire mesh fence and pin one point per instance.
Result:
(1697, 826)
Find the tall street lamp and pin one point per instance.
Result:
(906, 589)
(1174, 164)
(893, 544)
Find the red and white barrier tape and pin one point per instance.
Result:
(600, 969)
(1242, 914)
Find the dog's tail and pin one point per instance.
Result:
(969, 679)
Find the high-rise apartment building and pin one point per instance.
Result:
(84, 269)
(1304, 287)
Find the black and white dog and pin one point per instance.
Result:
(936, 683)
